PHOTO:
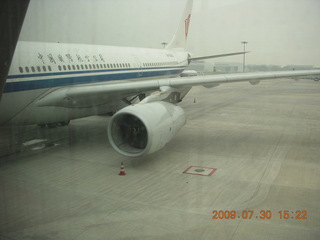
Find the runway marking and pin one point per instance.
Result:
(201, 171)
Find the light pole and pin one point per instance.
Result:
(244, 55)
(164, 44)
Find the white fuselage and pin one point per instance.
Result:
(39, 68)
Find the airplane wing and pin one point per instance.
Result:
(216, 56)
(78, 96)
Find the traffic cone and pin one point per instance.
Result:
(122, 172)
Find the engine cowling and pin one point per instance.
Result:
(254, 82)
(142, 129)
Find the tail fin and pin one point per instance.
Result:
(180, 37)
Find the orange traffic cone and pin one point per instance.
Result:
(122, 172)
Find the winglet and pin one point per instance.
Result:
(180, 37)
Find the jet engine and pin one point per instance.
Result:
(254, 82)
(142, 129)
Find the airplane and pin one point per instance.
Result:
(53, 83)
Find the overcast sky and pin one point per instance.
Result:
(278, 32)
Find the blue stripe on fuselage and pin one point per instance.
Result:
(75, 80)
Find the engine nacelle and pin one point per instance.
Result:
(254, 82)
(189, 73)
(142, 129)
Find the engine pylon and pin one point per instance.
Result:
(122, 172)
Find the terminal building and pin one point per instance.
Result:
(203, 67)
(229, 67)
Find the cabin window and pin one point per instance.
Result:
(49, 67)
(78, 67)
(21, 69)
(39, 69)
(64, 67)
(81, 67)
(33, 69)
(94, 66)
(27, 69)
(90, 66)
(86, 66)
(73, 67)
(45, 69)
(69, 67)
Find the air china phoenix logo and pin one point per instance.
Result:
(186, 25)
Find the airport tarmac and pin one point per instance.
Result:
(258, 145)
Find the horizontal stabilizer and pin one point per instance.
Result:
(217, 56)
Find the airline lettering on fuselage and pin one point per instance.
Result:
(40, 56)
(69, 58)
(51, 59)
(60, 58)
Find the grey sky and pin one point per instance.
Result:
(278, 31)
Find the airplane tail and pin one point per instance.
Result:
(180, 37)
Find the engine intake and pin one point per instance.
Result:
(142, 129)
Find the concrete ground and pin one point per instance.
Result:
(263, 140)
